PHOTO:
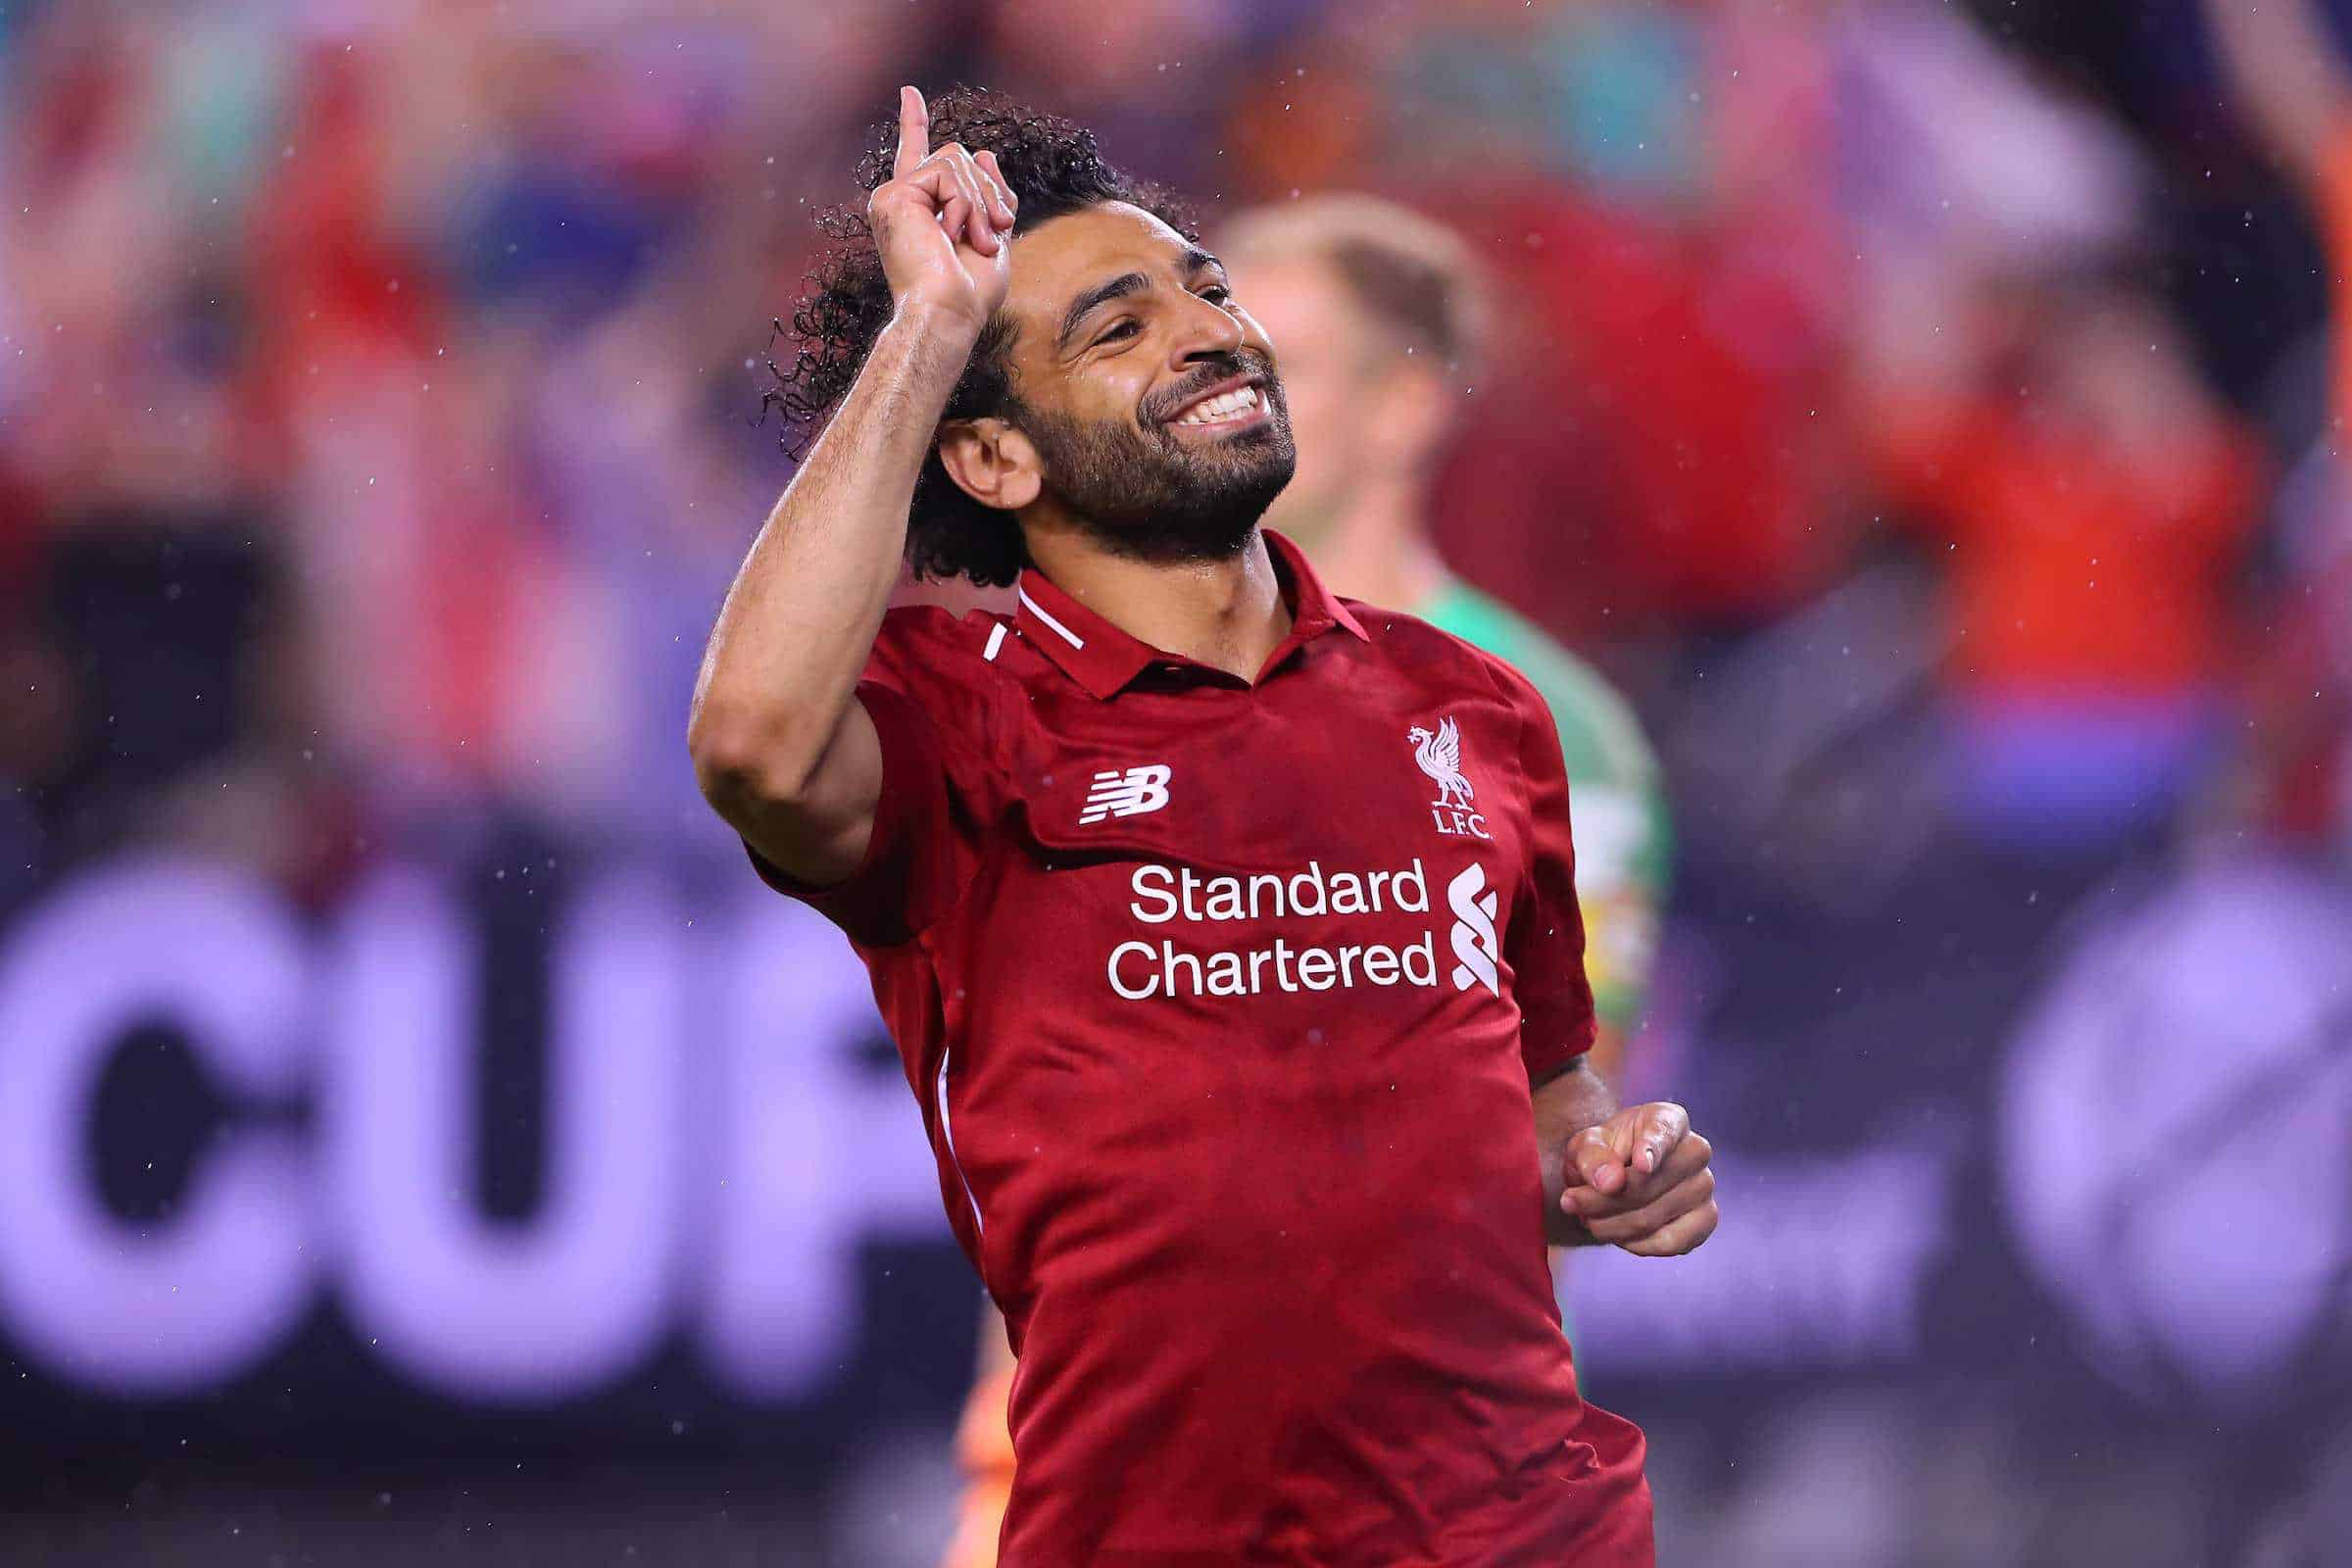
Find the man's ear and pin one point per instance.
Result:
(990, 462)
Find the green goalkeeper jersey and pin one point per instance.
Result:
(1624, 841)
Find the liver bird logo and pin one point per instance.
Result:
(1440, 757)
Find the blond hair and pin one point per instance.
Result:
(1409, 273)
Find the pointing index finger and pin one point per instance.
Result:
(1591, 1163)
(914, 133)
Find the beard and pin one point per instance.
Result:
(1143, 493)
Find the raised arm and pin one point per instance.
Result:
(2285, 75)
(781, 746)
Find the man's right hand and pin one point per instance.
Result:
(942, 222)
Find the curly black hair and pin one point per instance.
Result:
(1055, 168)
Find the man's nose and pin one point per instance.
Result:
(1207, 333)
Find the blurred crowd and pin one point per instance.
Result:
(1926, 411)
(379, 388)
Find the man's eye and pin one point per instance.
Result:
(1122, 329)
(1217, 294)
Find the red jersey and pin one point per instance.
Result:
(1222, 1002)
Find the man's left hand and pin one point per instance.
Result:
(1641, 1181)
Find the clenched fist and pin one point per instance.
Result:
(943, 223)
(1641, 1181)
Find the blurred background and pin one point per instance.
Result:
(418, 1133)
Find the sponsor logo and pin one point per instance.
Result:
(1474, 947)
(1130, 794)
(1165, 894)
(1438, 753)
(1179, 896)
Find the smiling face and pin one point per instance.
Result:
(1144, 408)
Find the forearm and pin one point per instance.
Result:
(1565, 1105)
(784, 657)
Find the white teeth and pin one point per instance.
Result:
(1224, 406)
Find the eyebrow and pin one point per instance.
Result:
(1126, 284)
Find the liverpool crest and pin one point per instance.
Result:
(1440, 754)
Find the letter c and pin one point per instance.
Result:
(161, 1307)
(1150, 987)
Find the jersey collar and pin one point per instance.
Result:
(1103, 660)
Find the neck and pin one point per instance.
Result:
(1228, 614)
(1376, 549)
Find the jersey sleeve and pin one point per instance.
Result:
(1545, 944)
(1624, 836)
(930, 699)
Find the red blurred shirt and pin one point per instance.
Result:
(1222, 1010)
(1673, 387)
(2075, 571)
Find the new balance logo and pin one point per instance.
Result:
(1474, 947)
(1129, 793)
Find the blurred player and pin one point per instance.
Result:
(1378, 318)
(1227, 929)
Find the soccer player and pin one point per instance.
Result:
(1379, 316)
(1227, 929)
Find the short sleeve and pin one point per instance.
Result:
(936, 769)
(1624, 839)
(1545, 944)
